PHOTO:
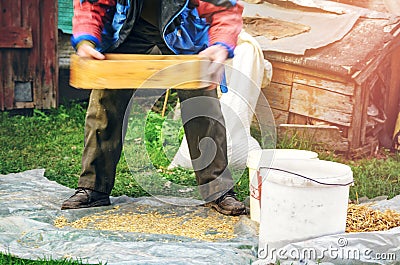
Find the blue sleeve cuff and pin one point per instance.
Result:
(228, 48)
(223, 84)
(76, 40)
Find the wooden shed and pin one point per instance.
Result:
(344, 95)
(28, 54)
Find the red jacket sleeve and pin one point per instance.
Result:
(89, 18)
(225, 22)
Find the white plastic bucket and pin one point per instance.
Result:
(265, 157)
(295, 208)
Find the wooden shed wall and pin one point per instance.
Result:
(28, 54)
(331, 110)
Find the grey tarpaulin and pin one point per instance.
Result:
(381, 247)
(350, 248)
(30, 203)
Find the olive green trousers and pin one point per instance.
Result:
(104, 140)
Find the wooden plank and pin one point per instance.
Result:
(65, 50)
(384, 69)
(2, 92)
(301, 69)
(355, 129)
(24, 105)
(334, 86)
(27, 66)
(35, 53)
(278, 95)
(325, 136)
(119, 71)
(16, 58)
(7, 71)
(280, 116)
(1, 70)
(15, 37)
(371, 148)
(297, 119)
(145, 57)
(11, 17)
(282, 76)
(49, 57)
(321, 104)
(393, 94)
(371, 84)
(22, 65)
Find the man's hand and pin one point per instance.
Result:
(87, 50)
(217, 54)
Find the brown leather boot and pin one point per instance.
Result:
(85, 198)
(228, 204)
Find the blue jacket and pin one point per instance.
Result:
(187, 27)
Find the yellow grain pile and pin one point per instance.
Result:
(362, 218)
(212, 227)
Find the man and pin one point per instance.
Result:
(206, 27)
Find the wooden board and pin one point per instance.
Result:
(281, 76)
(321, 104)
(127, 71)
(15, 37)
(338, 87)
(281, 117)
(286, 62)
(278, 95)
(294, 118)
(393, 93)
(10, 17)
(48, 58)
(328, 137)
(371, 148)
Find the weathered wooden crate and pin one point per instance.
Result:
(345, 95)
(124, 71)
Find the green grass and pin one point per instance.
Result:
(373, 176)
(376, 177)
(53, 140)
(7, 259)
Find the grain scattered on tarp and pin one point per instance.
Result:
(363, 218)
(196, 225)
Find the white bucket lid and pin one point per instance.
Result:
(265, 157)
(307, 172)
